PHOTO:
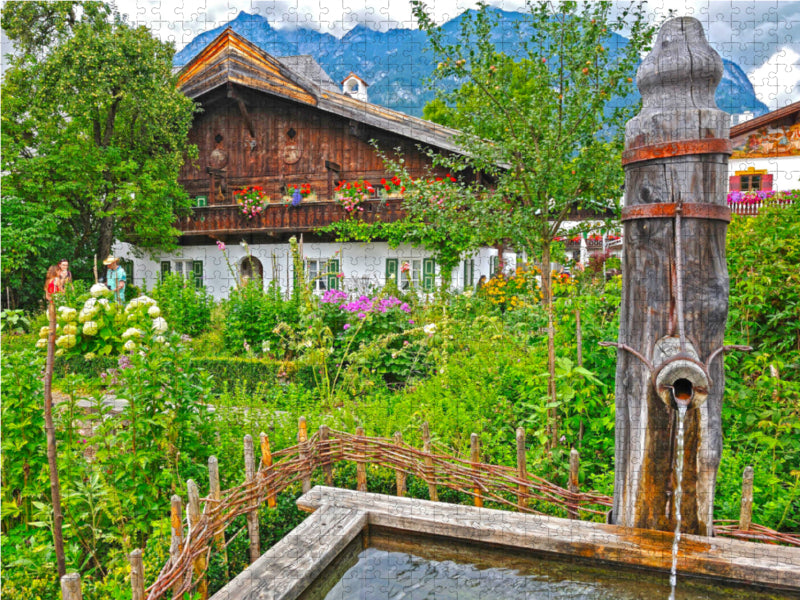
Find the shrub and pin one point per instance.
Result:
(186, 306)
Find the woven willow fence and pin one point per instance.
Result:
(514, 488)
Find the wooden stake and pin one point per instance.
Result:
(574, 467)
(137, 575)
(426, 448)
(475, 458)
(399, 474)
(176, 543)
(252, 515)
(302, 438)
(361, 464)
(522, 472)
(325, 452)
(215, 494)
(71, 587)
(746, 510)
(266, 463)
(199, 564)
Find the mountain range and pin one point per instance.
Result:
(396, 64)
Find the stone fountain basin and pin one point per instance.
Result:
(340, 515)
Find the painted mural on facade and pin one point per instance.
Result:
(769, 142)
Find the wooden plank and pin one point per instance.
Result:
(285, 571)
(734, 560)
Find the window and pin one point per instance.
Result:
(469, 272)
(751, 180)
(407, 272)
(750, 183)
(128, 266)
(494, 265)
(188, 269)
(323, 274)
(200, 201)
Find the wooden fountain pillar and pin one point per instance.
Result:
(675, 286)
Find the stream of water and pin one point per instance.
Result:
(673, 575)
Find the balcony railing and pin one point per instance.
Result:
(751, 208)
(279, 218)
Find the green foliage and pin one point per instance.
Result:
(14, 322)
(25, 473)
(185, 305)
(94, 135)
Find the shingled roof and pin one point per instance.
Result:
(231, 58)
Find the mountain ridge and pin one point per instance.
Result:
(395, 64)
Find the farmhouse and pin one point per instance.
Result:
(766, 152)
(284, 125)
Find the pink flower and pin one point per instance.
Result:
(221, 245)
(346, 326)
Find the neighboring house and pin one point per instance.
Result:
(280, 122)
(766, 152)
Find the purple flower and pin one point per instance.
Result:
(362, 315)
(411, 321)
(346, 326)
(124, 362)
(221, 245)
(297, 197)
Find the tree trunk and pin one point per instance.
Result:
(547, 298)
(106, 238)
(52, 459)
(675, 284)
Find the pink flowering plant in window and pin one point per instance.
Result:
(351, 195)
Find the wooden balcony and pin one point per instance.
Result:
(279, 218)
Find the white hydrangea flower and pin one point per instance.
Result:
(154, 311)
(90, 328)
(130, 346)
(98, 289)
(90, 303)
(430, 328)
(41, 343)
(67, 313)
(89, 355)
(66, 341)
(60, 352)
(159, 325)
(159, 339)
(70, 329)
(44, 331)
(104, 302)
(131, 332)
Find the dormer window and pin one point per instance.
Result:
(355, 87)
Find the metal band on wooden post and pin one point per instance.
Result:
(746, 508)
(429, 468)
(302, 438)
(522, 469)
(574, 467)
(71, 587)
(399, 474)
(266, 463)
(325, 453)
(137, 575)
(199, 563)
(669, 210)
(475, 458)
(361, 462)
(676, 148)
(252, 515)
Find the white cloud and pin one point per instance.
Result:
(776, 81)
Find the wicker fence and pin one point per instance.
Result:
(514, 488)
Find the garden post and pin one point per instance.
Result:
(176, 542)
(71, 587)
(199, 563)
(675, 286)
(574, 467)
(325, 451)
(399, 474)
(302, 438)
(252, 515)
(266, 463)
(475, 458)
(522, 470)
(137, 575)
(430, 472)
(361, 462)
(215, 494)
(746, 509)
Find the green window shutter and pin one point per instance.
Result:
(333, 274)
(494, 263)
(201, 201)
(166, 268)
(391, 270)
(197, 270)
(428, 274)
(472, 272)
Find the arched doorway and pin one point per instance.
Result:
(249, 268)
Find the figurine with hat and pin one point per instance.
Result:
(115, 278)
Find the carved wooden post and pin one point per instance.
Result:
(746, 507)
(675, 285)
(522, 471)
(325, 451)
(199, 563)
(252, 515)
(429, 468)
(475, 458)
(302, 439)
(399, 474)
(215, 493)
(574, 468)
(71, 587)
(176, 543)
(361, 463)
(137, 575)
(266, 462)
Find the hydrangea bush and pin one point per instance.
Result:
(97, 326)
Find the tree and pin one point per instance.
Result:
(94, 132)
(541, 120)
